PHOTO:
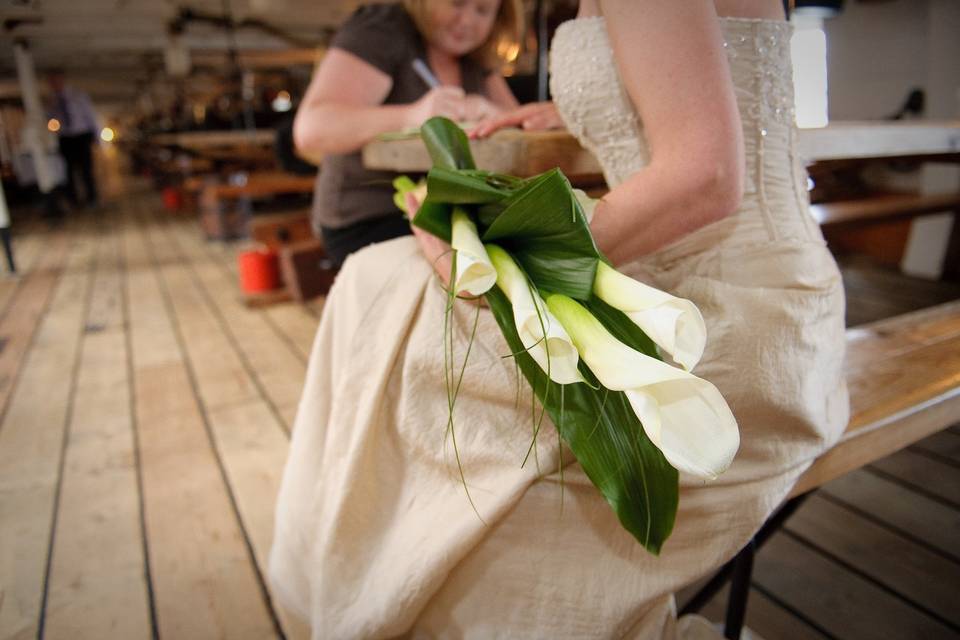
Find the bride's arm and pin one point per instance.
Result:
(671, 60)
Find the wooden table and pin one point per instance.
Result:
(222, 145)
(512, 151)
(202, 140)
(527, 153)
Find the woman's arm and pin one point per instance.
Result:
(671, 61)
(343, 108)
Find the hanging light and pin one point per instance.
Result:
(282, 102)
(107, 134)
(53, 125)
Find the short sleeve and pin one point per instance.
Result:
(381, 34)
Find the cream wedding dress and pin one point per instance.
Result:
(374, 534)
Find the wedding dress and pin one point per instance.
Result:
(375, 536)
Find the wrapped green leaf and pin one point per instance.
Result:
(608, 441)
(545, 228)
(542, 234)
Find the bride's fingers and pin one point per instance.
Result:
(413, 205)
(542, 118)
(534, 116)
(487, 127)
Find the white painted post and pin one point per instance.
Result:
(5, 230)
(929, 235)
(35, 130)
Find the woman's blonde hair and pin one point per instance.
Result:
(504, 36)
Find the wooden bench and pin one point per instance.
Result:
(225, 208)
(878, 224)
(904, 379)
(305, 269)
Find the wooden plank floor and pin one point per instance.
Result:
(145, 417)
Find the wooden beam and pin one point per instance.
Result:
(260, 59)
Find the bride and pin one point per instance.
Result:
(688, 107)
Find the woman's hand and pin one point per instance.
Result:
(450, 102)
(535, 116)
(477, 108)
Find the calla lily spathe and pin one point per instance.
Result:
(475, 274)
(683, 415)
(587, 203)
(541, 334)
(675, 324)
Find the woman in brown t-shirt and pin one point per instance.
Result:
(367, 85)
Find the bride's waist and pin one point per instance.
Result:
(764, 219)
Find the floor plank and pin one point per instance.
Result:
(924, 474)
(925, 578)
(26, 250)
(288, 415)
(97, 586)
(296, 323)
(219, 372)
(254, 450)
(32, 431)
(945, 444)
(273, 361)
(31, 298)
(251, 442)
(765, 617)
(851, 608)
(926, 520)
(204, 582)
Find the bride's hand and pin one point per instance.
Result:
(436, 251)
(535, 116)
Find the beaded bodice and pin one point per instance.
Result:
(596, 109)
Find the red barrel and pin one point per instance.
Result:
(172, 199)
(259, 270)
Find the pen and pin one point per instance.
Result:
(422, 70)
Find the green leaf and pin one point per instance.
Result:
(447, 144)
(544, 227)
(463, 187)
(434, 217)
(608, 441)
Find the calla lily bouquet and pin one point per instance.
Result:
(589, 340)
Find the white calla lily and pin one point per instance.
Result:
(475, 274)
(683, 415)
(675, 324)
(587, 203)
(541, 334)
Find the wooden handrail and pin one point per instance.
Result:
(884, 206)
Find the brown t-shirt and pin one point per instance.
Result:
(385, 36)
